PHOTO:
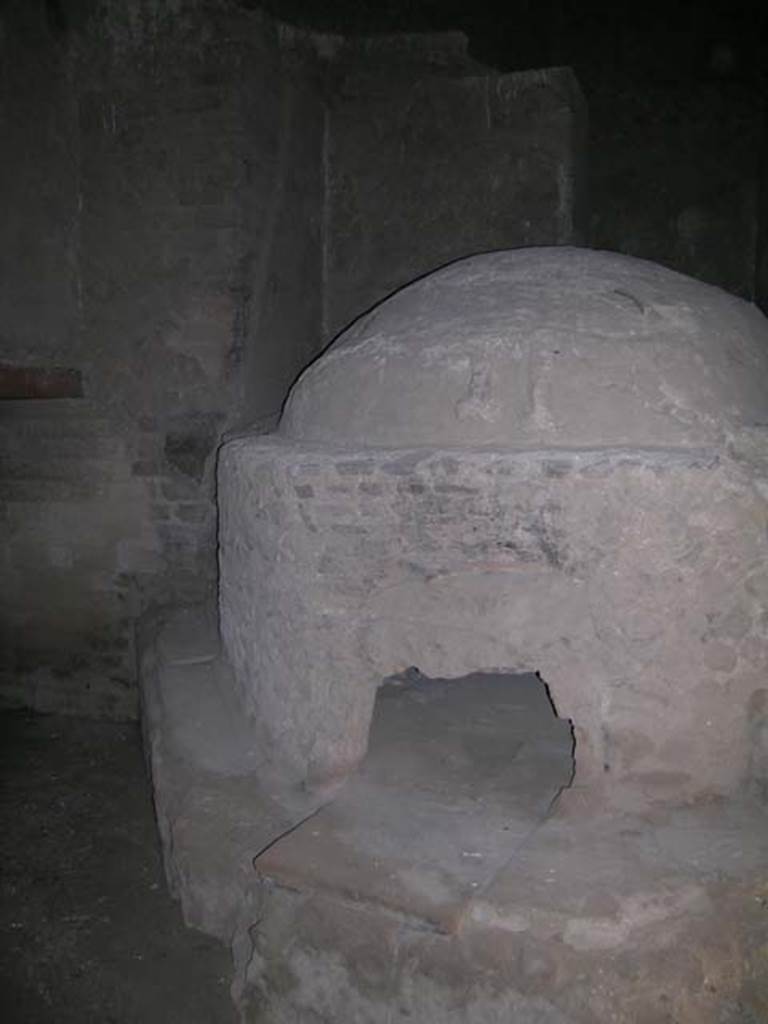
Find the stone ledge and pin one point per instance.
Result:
(212, 812)
(622, 921)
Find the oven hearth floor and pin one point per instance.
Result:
(439, 885)
(459, 774)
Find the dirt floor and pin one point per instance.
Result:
(88, 930)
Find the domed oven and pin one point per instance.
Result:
(546, 460)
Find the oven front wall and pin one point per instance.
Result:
(632, 580)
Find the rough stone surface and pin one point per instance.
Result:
(619, 919)
(622, 555)
(540, 347)
(627, 922)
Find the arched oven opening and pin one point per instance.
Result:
(469, 764)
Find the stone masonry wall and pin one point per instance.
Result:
(187, 183)
(148, 166)
(463, 164)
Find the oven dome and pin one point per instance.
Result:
(538, 347)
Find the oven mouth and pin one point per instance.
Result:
(487, 738)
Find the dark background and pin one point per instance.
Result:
(676, 94)
(670, 41)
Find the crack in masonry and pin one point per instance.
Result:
(287, 832)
